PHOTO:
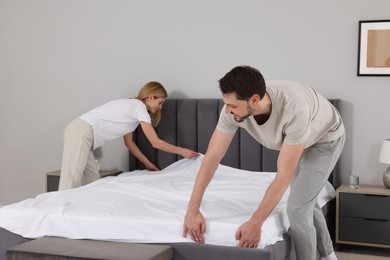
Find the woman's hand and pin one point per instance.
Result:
(157, 143)
(187, 153)
(151, 167)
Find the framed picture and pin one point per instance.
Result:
(374, 48)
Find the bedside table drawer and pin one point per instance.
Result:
(365, 206)
(364, 230)
(53, 178)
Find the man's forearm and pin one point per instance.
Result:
(205, 175)
(273, 195)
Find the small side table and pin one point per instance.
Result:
(53, 178)
(363, 216)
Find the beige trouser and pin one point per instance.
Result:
(79, 166)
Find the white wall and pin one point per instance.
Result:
(60, 58)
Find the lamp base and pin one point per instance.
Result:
(386, 178)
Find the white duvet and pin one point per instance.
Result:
(149, 207)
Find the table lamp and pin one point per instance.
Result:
(384, 157)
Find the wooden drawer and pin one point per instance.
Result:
(364, 230)
(369, 206)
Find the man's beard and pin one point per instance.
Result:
(241, 119)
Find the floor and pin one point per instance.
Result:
(362, 253)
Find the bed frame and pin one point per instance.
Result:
(190, 123)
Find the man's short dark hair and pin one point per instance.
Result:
(245, 81)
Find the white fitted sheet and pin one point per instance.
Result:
(149, 207)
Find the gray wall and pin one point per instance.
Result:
(60, 58)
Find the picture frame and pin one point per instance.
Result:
(374, 48)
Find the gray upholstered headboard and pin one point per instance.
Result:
(190, 123)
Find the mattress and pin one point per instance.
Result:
(149, 207)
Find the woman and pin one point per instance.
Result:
(112, 120)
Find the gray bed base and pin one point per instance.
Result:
(190, 123)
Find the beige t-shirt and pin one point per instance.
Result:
(299, 114)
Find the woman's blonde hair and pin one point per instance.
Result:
(157, 90)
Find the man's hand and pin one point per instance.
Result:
(249, 234)
(195, 225)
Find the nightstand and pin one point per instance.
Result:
(363, 216)
(53, 178)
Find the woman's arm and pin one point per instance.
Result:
(157, 143)
(133, 148)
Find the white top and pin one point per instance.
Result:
(299, 114)
(115, 119)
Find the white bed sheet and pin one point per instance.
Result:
(149, 207)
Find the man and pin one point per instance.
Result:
(310, 135)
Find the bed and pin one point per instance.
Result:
(190, 123)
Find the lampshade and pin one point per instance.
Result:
(384, 155)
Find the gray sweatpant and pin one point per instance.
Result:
(307, 223)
